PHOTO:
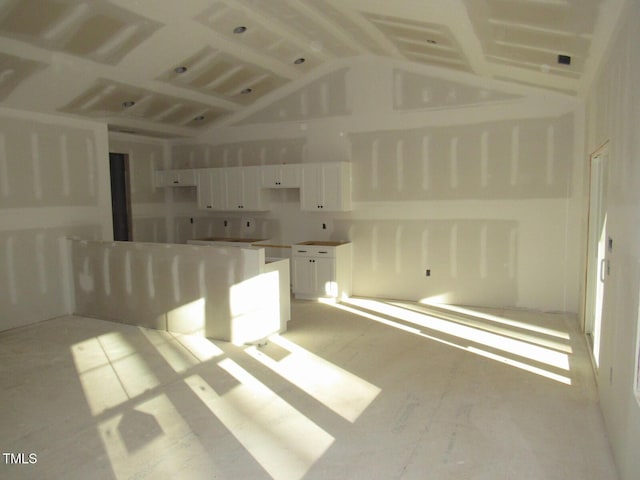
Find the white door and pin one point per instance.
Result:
(597, 249)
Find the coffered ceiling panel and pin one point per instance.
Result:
(549, 37)
(204, 59)
(96, 30)
(422, 42)
(214, 72)
(110, 99)
(14, 70)
(269, 35)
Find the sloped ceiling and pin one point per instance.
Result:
(173, 68)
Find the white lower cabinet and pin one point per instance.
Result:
(321, 270)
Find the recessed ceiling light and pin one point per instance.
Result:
(128, 103)
(240, 29)
(199, 118)
(300, 60)
(245, 91)
(180, 69)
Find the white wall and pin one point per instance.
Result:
(477, 181)
(54, 182)
(613, 115)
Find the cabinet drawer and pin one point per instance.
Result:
(313, 251)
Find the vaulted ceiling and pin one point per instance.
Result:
(175, 67)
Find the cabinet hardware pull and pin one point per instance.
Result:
(323, 252)
(302, 251)
(176, 181)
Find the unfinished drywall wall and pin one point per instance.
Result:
(514, 160)
(613, 116)
(473, 180)
(54, 177)
(237, 154)
(150, 209)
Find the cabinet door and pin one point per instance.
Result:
(280, 176)
(326, 187)
(175, 178)
(166, 178)
(331, 186)
(270, 177)
(235, 188)
(187, 178)
(253, 198)
(211, 189)
(290, 176)
(311, 188)
(325, 277)
(314, 277)
(303, 273)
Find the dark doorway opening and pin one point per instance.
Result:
(120, 202)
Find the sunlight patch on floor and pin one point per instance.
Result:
(281, 439)
(341, 391)
(471, 349)
(523, 349)
(503, 320)
(494, 324)
(143, 438)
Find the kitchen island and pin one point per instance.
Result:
(221, 292)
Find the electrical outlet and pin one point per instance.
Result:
(324, 226)
(191, 219)
(428, 272)
(225, 223)
(248, 224)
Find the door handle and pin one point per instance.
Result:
(603, 264)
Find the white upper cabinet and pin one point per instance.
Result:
(211, 189)
(326, 187)
(244, 189)
(175, 178)
(281, 176)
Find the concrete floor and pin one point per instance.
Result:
(365, 390)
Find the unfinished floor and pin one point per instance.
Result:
(369, 389)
